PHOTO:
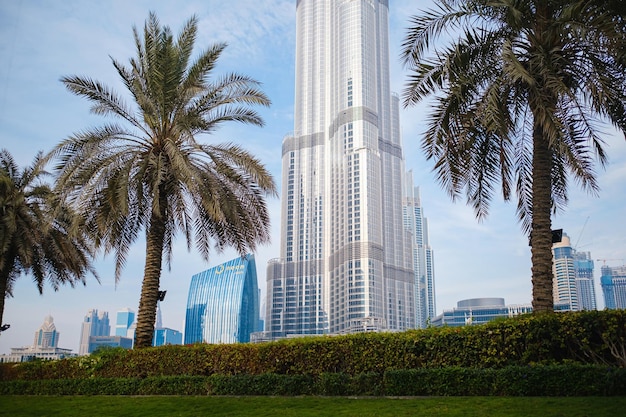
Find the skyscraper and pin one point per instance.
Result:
(44, 347)
(573, 284)
(223, 303)
(47, 336)
(423, 264)
(94, 324)
(564, 282)
(124, 323)
(585, 285)
(613, 283)
(345, 259)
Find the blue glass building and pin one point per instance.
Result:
(96, 342)
(124, 321)
(166, 336)
(223, 303)
(614, 287)
(478, 311)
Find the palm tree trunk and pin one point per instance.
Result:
(541, 228)
(146, 315)
(4, 280)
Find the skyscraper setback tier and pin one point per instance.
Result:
(345, 258)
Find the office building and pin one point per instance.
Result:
(345, 262)
(613, 283)
(124, 321)
(47, 336)
(585, 285)
(478, 311)
(423, 265)
(166, 336)
(45, 346)
(94, 324)
(573, 283)
(100, 342)
(223, 303)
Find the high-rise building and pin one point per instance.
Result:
(47, 336)
(94, 324)
(573, 284)
(124, 323)
(345, 260)
(44, 347)
(423, 265)
(613, 283)
(223, 303)
(585, 285)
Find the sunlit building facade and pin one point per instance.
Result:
(345, 260)
(223, 303)
(573, 283)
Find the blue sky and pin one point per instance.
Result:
(41, 41)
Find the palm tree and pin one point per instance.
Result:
(151, 172)
(39, 235)
(519, 88)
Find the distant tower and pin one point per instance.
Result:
(124, 323)
(223, 303)
(613, 283)
(585, 286)
(94, 324)
(47, 335)
(564, 282)
(159, 319)
(417, 225)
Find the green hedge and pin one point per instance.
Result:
(596, 337)
(553, 380)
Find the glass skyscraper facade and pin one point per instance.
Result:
(585, 285)
(223, 303)
(423, 264)
(166, 336)
(345, 260)
(94, 324)
(124, 323)
(613, 283)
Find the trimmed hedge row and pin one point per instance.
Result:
(563, 380)
(595, 337)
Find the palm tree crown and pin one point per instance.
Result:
(151, 173)
(38, 234)
(519, 88)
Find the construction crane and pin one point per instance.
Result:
(614, 259)
(581, 233)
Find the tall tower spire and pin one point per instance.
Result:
(345, 259)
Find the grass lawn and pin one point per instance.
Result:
(68, 406)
